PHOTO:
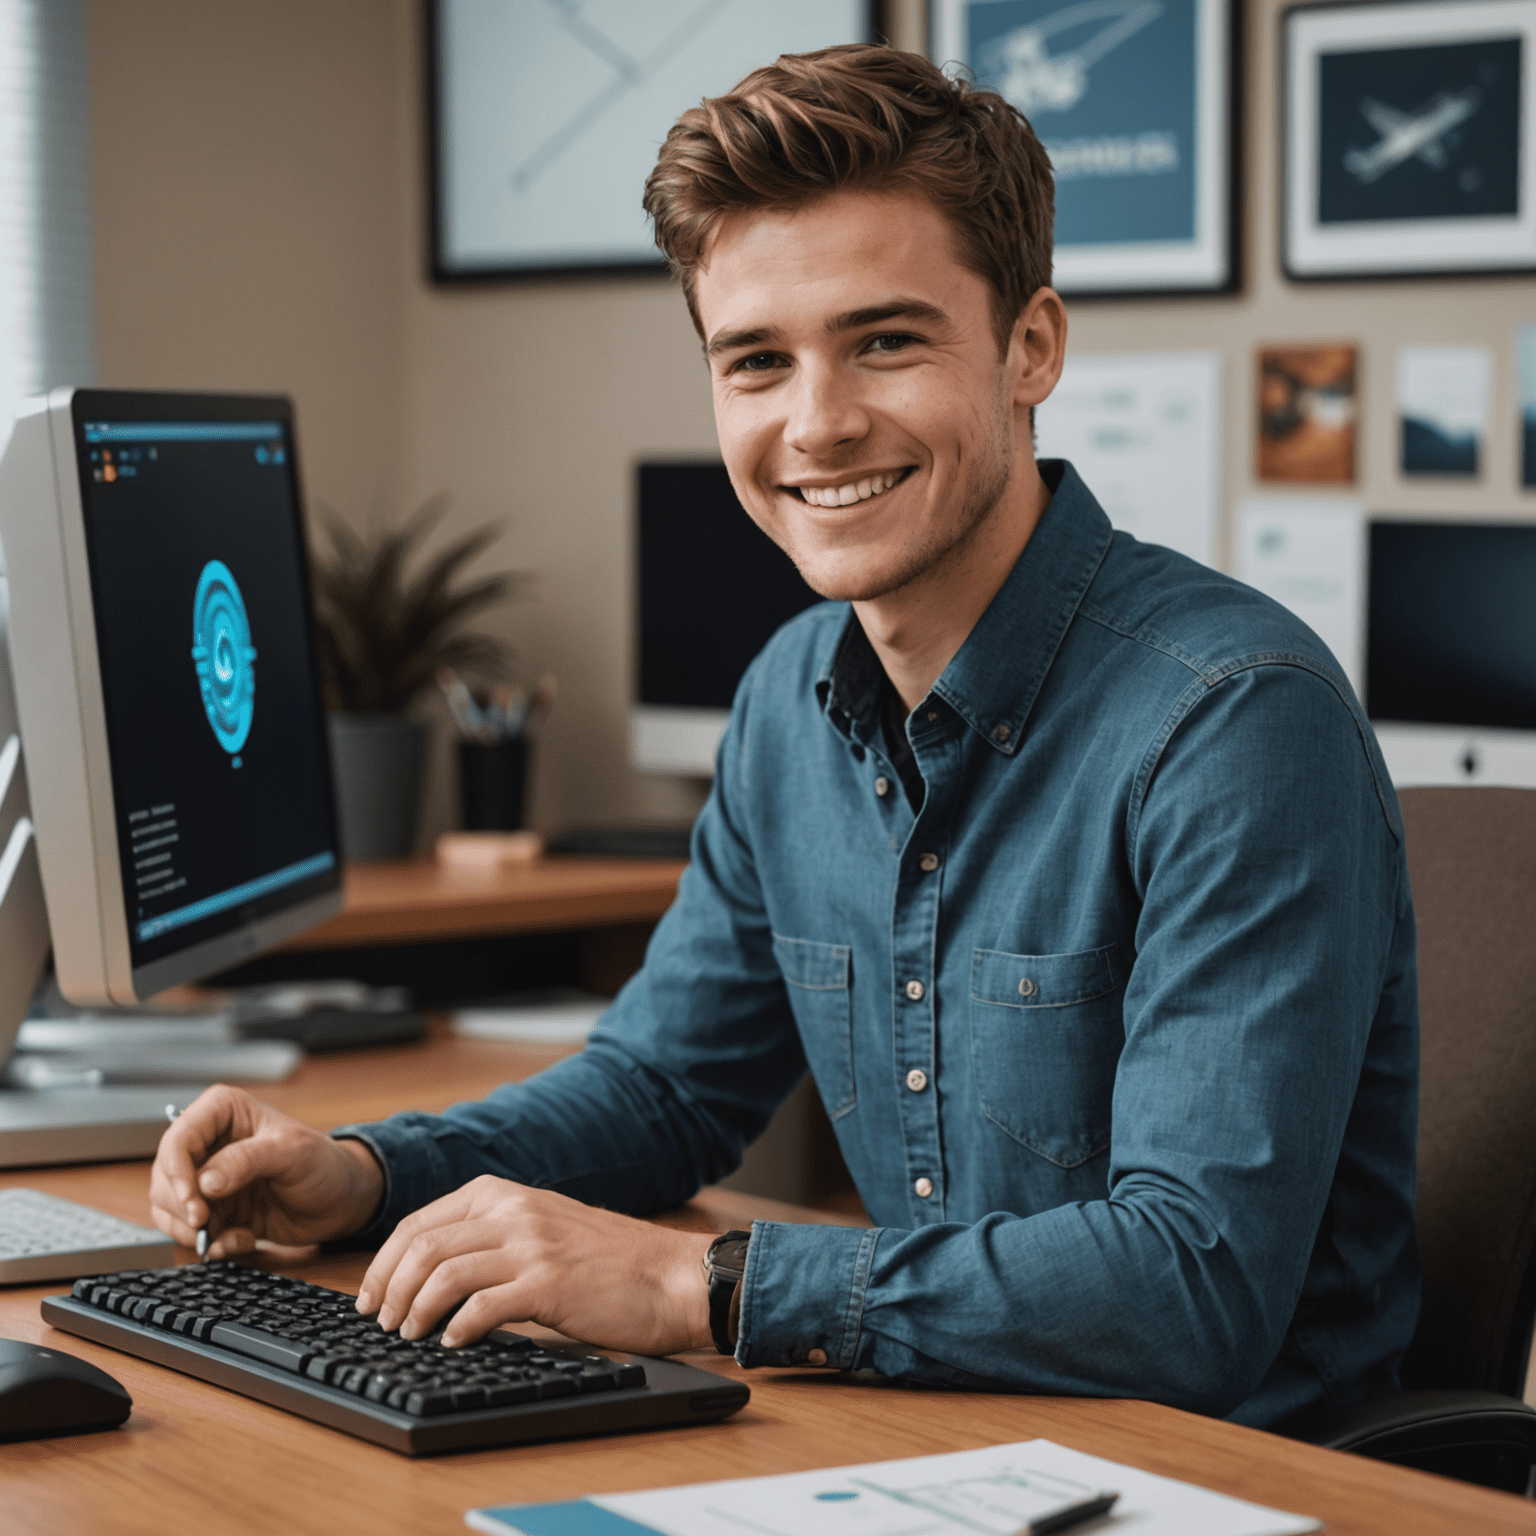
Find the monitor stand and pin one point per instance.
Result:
(84, 1125)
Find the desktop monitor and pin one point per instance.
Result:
(710, 590)
(1450, 665)
(163, 652)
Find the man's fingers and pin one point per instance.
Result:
(240, 1164)
(490, 1308)
(448, 1211)
(231, 1244)
(463, 1278)
(187, 1141)
(419, 1265)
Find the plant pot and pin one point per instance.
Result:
(379, 763)
(493, 784)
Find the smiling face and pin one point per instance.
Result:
(869, 425)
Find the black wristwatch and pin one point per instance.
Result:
(725, 1263)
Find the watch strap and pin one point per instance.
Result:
(725, 1263)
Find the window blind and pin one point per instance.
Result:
(47, 315)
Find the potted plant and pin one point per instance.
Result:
(384, 630)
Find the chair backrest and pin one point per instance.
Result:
(1472, 861)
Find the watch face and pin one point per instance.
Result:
(728, 1255)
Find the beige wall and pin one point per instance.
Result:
(249, 181)
(258, 224)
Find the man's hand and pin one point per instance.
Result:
(514, 1254)
(233, 1164)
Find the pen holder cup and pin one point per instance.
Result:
(493, 784)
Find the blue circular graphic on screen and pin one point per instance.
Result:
(224, 656)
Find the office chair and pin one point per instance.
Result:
(1472, 860)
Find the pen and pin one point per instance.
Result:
(1073, 1514)
(171, 1112)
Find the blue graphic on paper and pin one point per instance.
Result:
(1118, 121)
(224, 656)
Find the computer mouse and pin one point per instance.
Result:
(46, 1392)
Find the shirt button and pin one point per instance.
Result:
(917, 1079)
(1002, 733)
(915, 990)
(816, 1356)
(882, 784)
(1027, 988)
(928, 863)
(923, 1188)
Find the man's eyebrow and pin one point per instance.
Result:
(896, 309)
(728, 341)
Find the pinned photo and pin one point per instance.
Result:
(1525, 384)
(1442, 405)
(1307, 411)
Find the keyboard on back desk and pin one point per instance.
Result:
(307, 1349)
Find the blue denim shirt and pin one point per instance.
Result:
(1118, 1032)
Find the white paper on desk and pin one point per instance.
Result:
(990, 1492)
(560, 1016)
(1309, 554)
(1143, 429)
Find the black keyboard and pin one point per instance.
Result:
(307, 1349)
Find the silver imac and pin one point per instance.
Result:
(170, 735)
(1450, 665)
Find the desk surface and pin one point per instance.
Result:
(194, 1458)
(418, 899)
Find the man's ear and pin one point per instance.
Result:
(1038, 347)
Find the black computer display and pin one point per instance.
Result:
(712, 586)
(1451, 632)
(219, 769)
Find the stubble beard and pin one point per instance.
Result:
(980, 491)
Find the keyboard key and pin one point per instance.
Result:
(268, 1347)
(423, 1404)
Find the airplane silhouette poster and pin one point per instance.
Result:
(1410, 139)
(1420, 133)
(1130, 99)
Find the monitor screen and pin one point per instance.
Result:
(712, 587)
(1451, 631)
(219, 769)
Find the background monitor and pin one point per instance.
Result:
(1450, 665)
(710, 590)
(163, 651)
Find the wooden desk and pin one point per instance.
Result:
(193, 1458)
(419, 899)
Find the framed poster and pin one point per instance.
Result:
(546, 115)
(1409, 139)
(1133, 100)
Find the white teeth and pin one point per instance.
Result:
(847, 495)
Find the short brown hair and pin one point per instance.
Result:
(865, 118)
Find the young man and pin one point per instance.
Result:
(1068, 866)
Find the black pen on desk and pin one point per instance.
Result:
(1073, 1514)
(171, 1113)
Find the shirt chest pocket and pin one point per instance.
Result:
(818, 977)
(1046, 1036)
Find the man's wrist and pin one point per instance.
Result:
(365, 1179)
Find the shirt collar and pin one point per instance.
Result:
(994, 678)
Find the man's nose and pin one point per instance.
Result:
(825, 411)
